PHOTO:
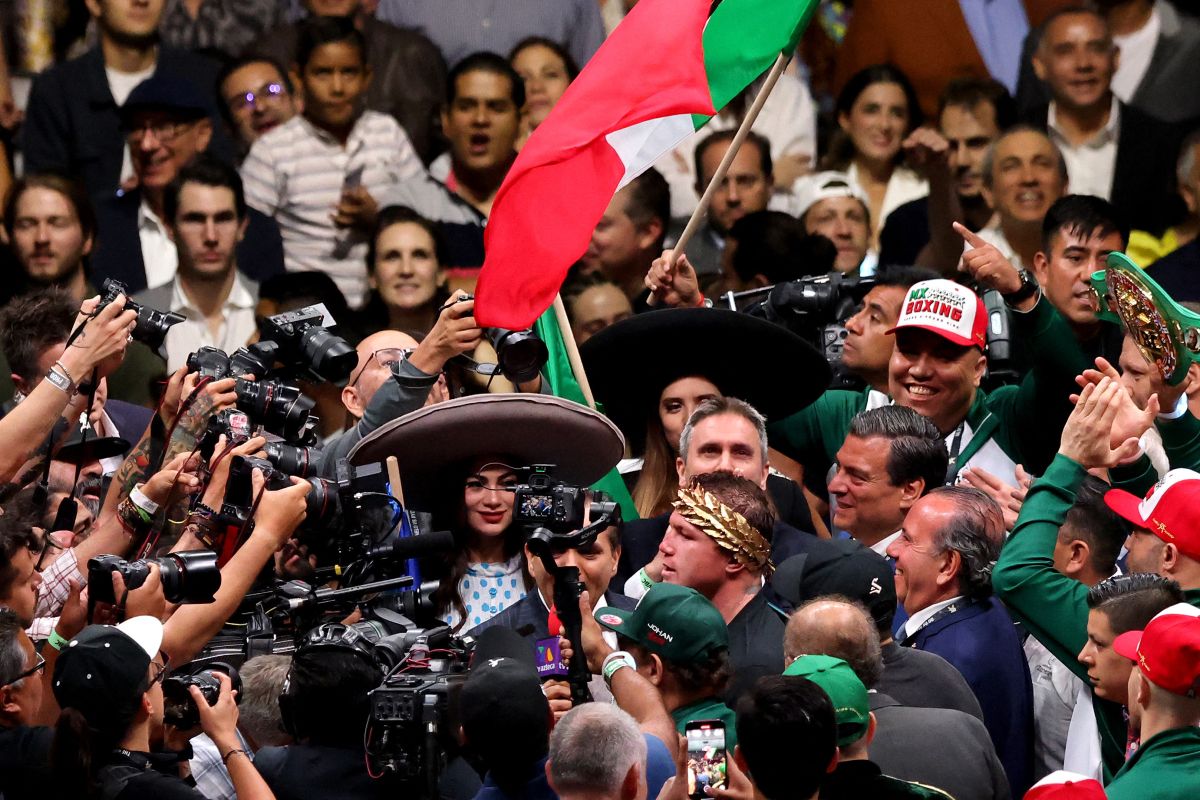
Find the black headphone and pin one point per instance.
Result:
(334, 637)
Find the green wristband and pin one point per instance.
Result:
(56, 641)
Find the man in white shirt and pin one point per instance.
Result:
(1023, 175)
(206, 218)
(1112, 151)
(890, 458)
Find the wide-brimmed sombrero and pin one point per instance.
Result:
(631, 362)
(525, 429)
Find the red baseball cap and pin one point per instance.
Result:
(946, 308)
(1169, 510)
(1063, 785)
(1168, 650)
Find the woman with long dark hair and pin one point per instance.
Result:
(547, 69)
(876, 111)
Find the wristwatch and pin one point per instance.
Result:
(1029, 287)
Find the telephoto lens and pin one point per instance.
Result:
(188, 577)
(179, 708)
(289, 458)
(280, 408)
(520, 354)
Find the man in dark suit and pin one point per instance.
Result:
(72, 122)
(963, 762)
(950, 539)
(1112, 150)
(167, 126)
(1167, 88)
(408, 73)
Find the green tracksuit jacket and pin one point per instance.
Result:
(1164, 768)
(1051, 606)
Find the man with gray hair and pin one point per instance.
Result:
(723, 434)
(891, 457)
(964, 763)
(944, 557)
(597, 751)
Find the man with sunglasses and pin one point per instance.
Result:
(415, 371)
(167, 126)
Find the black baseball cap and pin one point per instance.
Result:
(83, 445)
(844, 567)
(102, 672)
(505, 714)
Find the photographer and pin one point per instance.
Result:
(325, 708)
(108, 684)
(96, 350)
(374, 400)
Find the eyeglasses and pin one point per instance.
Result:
(165, 131)
(266, 92)
(162, 670)
(385, 358)
(35, 669)
(53, 540)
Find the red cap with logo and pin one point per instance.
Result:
(1063, 785)
(1169, 510)
(946, 308)
(1168, 650)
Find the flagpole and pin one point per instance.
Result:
(568, 338)
(742, 132)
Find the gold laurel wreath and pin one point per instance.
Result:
(728, 528)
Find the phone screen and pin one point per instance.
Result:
(706, 756)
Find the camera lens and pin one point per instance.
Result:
(188, 577)
(288, 458)
(281, 409)
(521, 354)
(152, 326)
(179, 709)
(331, 356)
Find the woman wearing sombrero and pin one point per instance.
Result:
(460, 460)
(650, 372)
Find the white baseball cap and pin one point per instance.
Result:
(812, 189)
(946, 308)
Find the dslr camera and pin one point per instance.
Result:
(179, 709)
(187, 577)
(151, 326)
(520, 355)
(543, 501)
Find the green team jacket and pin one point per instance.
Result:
(1025, 419)
(1051, 606)
(1164, 768)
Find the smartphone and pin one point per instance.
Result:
(706, 756)
(353, 179)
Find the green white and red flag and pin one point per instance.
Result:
(664, 72)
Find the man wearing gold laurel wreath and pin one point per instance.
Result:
(718, 542)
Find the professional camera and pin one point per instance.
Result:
(179, 709)
(520, 355)
(188, 577)
(291, 459)
(151, 326)
(302, 341)
(543, 501)
(279, 408)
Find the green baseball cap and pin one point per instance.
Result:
(677, 623)
(847, 693)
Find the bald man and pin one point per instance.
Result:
(963, 763)
(396, 375)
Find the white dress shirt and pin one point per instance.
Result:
(883, 544)
(237, 323)
(158, 249)
(919, 618)
(1137, 49)
(1090, 166)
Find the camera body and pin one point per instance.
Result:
(151, 326)
(520, 355)
(187, 577)
(302, 340)
(278, 407)
(545, 502)
(179, 708)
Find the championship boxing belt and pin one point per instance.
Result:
(1167, 333)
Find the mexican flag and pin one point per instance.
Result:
(667, 68)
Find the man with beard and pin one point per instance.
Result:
(51, 229)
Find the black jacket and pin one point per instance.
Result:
(118, 252)
(1178, 273)
(72, 123)
(1143, 188)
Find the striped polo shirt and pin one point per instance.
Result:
(295, 173)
